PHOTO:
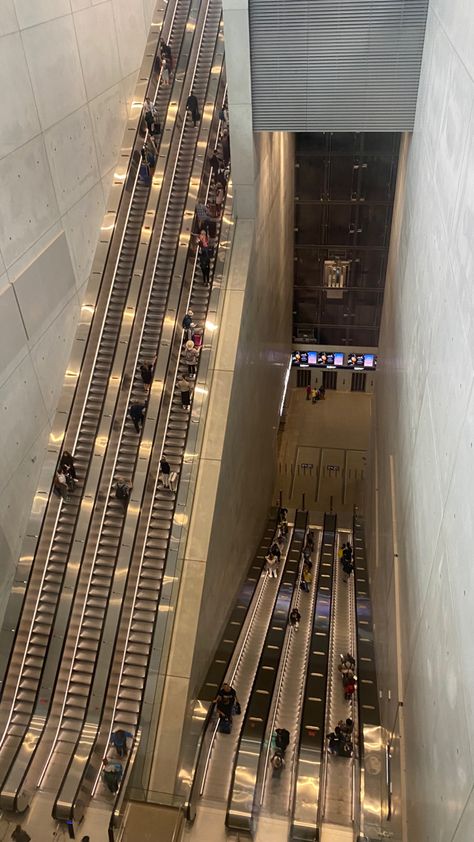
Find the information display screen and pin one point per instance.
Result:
(300, 358)
(370, 361)
(336, 359)
(361, 361)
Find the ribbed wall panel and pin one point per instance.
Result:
(335, 65)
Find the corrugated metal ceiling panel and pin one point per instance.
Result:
(335, 65)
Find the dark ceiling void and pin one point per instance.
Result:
(344, 192)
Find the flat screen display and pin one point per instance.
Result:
(338, 358)
(370, 360)
(355, 361)
(312, 358)
(322, 358)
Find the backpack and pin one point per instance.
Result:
(121, 491)
(225, 725)
(282, 739)
(110, 779)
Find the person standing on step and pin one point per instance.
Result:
(185, 392)
(165, 469)
(193, 108)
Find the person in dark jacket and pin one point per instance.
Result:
(146, 373)
(275, 550)
(123, 489)
(215, 164)
(205, 264)
(119, 741)
(165, 469)
(295, 618)
(187, 325)
(282, 739)
(66, 464)
(137, 413)
(226, 700)
(192, 106)
(225, 142)
(20, 835)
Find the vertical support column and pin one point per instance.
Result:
(237, 55)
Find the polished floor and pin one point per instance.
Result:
(323, 451)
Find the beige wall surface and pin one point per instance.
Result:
(67, 74)
(421, 531)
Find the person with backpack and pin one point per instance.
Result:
(275, 550)
(282, 739)
(119, 741)
(113, 772)
(347, 568)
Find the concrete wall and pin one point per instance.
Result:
(67, 74)
(423, 458)
(238, 458)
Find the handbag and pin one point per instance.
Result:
(237, 709)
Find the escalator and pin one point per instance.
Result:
(135, 629)
(224, 665)
(337, 807)
(221, 752)
(274, 792)
(244, 767)
(306, 782)
(41, 630)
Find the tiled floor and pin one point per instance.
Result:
(322, 451)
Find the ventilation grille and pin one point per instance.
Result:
(335, 65)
